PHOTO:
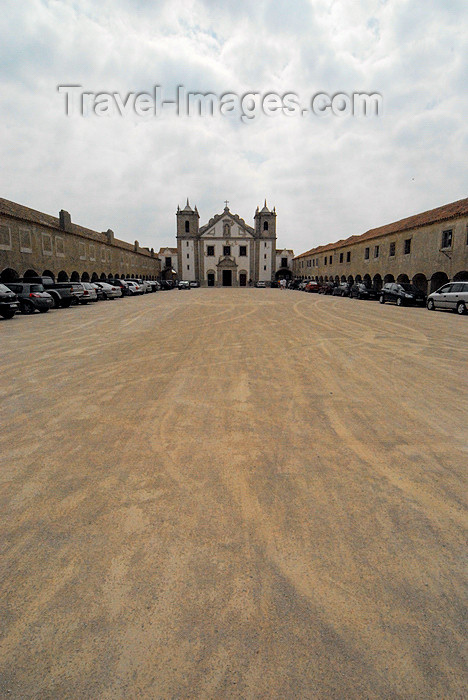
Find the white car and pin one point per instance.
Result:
(453, 295)
(134, 288)
(109, 291)
(260, 284)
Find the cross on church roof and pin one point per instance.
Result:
(226, 202)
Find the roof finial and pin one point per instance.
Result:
(188, 202)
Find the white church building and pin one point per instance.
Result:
(227, 252)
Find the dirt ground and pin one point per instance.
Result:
(233, 493)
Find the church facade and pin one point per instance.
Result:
(227, 252)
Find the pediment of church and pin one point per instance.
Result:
(227, 262)
(226, 225)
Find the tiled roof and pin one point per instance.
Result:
(19, 211)
(444, 213)
(163, 250)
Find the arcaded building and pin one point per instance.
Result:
(36, 243)
(427, 249)
(227, 252)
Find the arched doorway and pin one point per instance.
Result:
(388, 278)
(242, 278)
(367, 281)
(350, 279)
(94, 277)
(30, 273)
(358, 278)
(62, 276)
(403, 279)
(461, 276)
(420, 281)
(48, 273)
(283, 274)
(103, 277)
(343, 278)
(8, 275)
(437, 280)
(75, 277)
(85, 277)
(377, 282)
(210, 277)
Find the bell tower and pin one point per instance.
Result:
(187, 221)
(265, 222)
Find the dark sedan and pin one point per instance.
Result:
(31, 297)
(342, 290)
(8, 302)
(362, 291)
(402, 294)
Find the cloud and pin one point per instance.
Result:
(328, 177)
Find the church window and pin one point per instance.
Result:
(447, 239)
(187, 227)
(227, 250)
(264, 267)
(188, 267)
(265, 225)
(242, 250)
(168, 262)
(188, 255)
(264, 257)
(210, 250)
(284, 262)
(187, 244)
(341, 257)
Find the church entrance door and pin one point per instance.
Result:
(211, 279)
(242, 279)
(227, 278)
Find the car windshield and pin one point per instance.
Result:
(4, 289)
(409, 288)
(36, 288)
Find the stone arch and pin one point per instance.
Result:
(30, 273)
(103, 277)
(437, 280)
(461, 276)
(343, 278)
(358, 278)
(75, 277)
(48, 273)
(367, 280)
(377, 282)
(8, 275)
(110, 276)
(321, 278)
(85, 277)
(62, 276)
(117, 277)
(388, 278)
(420, 281)
(337, 279)
(350, 279)
(265, 225)
(325, 279)
(403, 279)
(94, 277)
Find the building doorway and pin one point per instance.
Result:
(227, 278)
(243, 279)
(211, 279)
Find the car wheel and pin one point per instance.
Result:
(382, 299)
(66, 303)
(104, 296)
(8, 313)
(399, 301)
(27, 308)
(461, 308)
(430, 305)
(43, 311)
(56, 301)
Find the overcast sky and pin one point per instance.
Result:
(329, 177)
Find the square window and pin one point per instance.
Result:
(284, 262)
(392, 250)
(243, 251)
(103, 254)
(447, 238)
(5, 237)
(168, 262)
(59, 247)
(92, 254)
(227, 250)
(210, 250)
(366, 253)
(408, 246)
(25, 240)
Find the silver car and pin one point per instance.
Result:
(453, 295)
(109, 291)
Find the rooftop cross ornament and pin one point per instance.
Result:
(226, 202)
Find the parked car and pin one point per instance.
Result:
(167, 284)
(144, 285)
(359, 290)
(109, 291)
(134, 288)
(312, 287)
(194, 284)
(61, 293)
(89, 293)
(260, 285)
(122, 284)
(9, 304)
(99, 291)
(31, 297)
(75, 289)
(154, 285)
(401, 294)
(326, 288)
(452, 296)
(183, 284)
(342, 290)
